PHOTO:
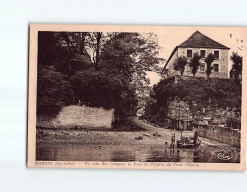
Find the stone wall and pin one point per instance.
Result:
(217, 133)
(222, 61)
(170, 67)
(179, 110)
(84, 117)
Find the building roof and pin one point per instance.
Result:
(197, 40)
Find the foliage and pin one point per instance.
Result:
(131, 55)
(198, 92)
(194, 63)
(180, 64)
(53, 91)
(237, 64)
(96, 43)
(104, 69)
(98, 89)
(209, 59)
(63, 51)
(232, 120)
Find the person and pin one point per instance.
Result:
(173, 139)
(195, 138)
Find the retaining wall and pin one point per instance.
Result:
(84, 117)
(221, 134)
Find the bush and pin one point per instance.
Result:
(99, 89)
(53, 91)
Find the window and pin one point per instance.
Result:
(216, 67)
(216, 54)
(187, 68)
(202, 67)
(203, 53)
(189, 53)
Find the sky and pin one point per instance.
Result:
(171, 36)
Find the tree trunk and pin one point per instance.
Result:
(82, 46)
(97, 51)
(182, 71)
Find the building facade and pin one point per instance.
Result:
(203, 45)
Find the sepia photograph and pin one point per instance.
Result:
(139, 95)
(123, 96)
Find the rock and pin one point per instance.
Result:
(209, 144)
(139, 137)
(156, 134)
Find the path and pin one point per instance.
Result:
(167, 132)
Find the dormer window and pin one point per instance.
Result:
(189, 53)
(216, 54)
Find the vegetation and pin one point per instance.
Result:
(237, 65)
(194, 63)
(97, 89)
(180, 64)
(53, 91)
(98, 69)
(209, 59)
(198, 92)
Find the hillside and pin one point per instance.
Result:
(215, 97)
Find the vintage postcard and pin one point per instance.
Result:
(137, 97)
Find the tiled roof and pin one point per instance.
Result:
(198, 39)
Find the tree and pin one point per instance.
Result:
(180, 64)
(103, 69)
(199, 93)
(82, 38)
(232, 120)
(95, 46)
(96, 43)
(65, 51)
(195, 63)
(131, 55)
(237, 65)
(98, 89)
(99, 34)
(209, 59)
(53, 91)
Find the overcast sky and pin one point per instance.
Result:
(170, 37)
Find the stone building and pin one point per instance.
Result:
(179, 115)
(203, 45)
